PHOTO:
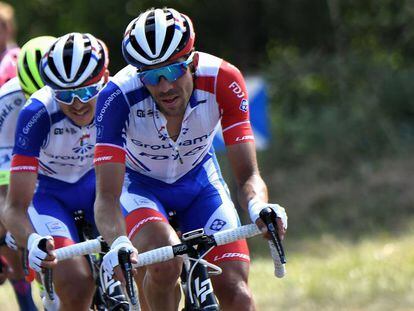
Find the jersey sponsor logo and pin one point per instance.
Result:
(4, 159)
(247, 137)
(217, 224)
(244, 105)
(70, 157)
(60, 131)
(22, 168)
(56, 226)
(8, 108)
(22, 141)
(142, 222)
(187, 142)
(84, 146)
(231, 255)
(107, 103)
(195, 150)
(33, 120)
(99, 131)
(235, 87)
(102, 159)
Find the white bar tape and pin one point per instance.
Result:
(78, 249)
(231, 235)
(280, 269)
(156, 255)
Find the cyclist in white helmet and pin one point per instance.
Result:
(155, 125)
(13, 95)
(52, 172)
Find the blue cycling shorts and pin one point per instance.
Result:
(55, 201)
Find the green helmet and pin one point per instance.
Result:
(28, 63)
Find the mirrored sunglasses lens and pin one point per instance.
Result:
(171, 73)
(64, 96)
(84, 94)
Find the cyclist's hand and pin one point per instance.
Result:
(10, 241)
(255, 206)
(110, 262)
(38, 258)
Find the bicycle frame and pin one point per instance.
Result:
(169, 252)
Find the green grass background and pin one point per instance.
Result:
(326, 274)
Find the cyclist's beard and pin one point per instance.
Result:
(171, 103)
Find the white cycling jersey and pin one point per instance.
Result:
(131, 128)
(48, 141)
(12, 100)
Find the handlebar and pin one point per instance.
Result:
(168, 252)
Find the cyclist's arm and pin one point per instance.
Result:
(233, 102)
(108, 215)
(250, 184)
(15, 217)
(32, 129)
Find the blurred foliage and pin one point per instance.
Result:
(339, 76)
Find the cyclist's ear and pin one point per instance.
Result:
(106, 76)
(195, 62)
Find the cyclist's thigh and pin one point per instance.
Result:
(140, 207)
(49, 217)
(214, 211)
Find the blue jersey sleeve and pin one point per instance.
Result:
(112, 115)
(32, 129)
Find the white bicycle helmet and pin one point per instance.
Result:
(156, 36)
(74, 60)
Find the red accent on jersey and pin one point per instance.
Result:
(21, 163)
(108, 154)
(205, 84)
(234, 105)
(139, 217)
(234, 251)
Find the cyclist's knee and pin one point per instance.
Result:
(166, 273)
(74, 282)
(231, 286)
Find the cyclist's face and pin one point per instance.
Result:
(172, 97)
(80, 113)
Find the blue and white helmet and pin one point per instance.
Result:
(74, 60)
(156, 36)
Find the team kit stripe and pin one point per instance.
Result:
(22, 163)
(108, 153)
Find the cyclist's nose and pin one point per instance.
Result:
(77, 104)
(164, 85)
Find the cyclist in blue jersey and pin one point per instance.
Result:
(13, 96)
(52, 172)
(156, 121)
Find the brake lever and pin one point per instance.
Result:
(47, 274)
(268, 216)
(126, 266)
